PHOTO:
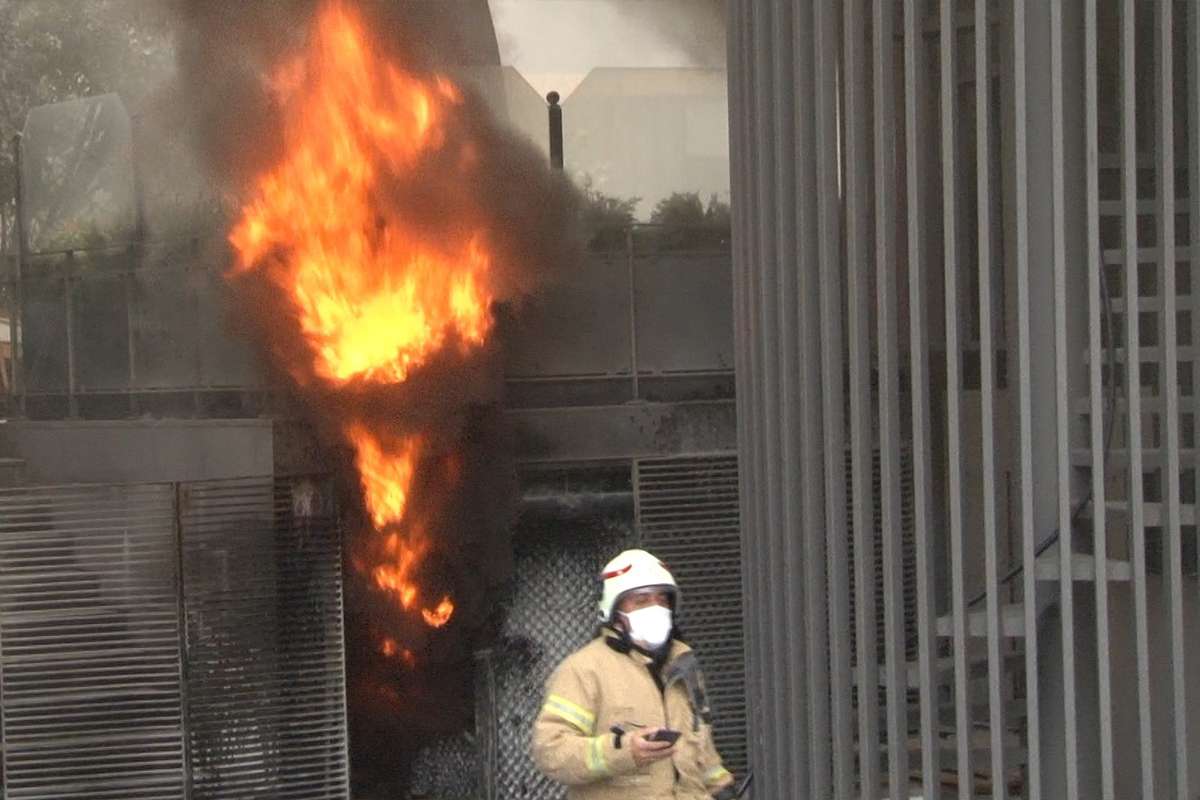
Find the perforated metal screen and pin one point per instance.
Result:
(125, 677)
(687, 514)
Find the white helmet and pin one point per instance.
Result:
(633, 569)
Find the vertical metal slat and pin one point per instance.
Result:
(919, 370)
(1172, 564)
(741, 109)
(767, 379)
(883, 14)
(761, 725)
(1062, 358)
(1096, 392)
(68, 279)
(16, 321)
(832, 399)
(790, 561)
(739, 120)
(737, 175)
(987, 392)
(1193, 100)
(861, 465)
(812, 501)
(962, 702)
(1024, 344)
(1133, 386)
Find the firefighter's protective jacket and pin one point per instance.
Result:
(604, 685)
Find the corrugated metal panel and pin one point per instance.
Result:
(265, 674)
(687, 514)
(89, 619)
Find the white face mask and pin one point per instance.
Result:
(649, 626)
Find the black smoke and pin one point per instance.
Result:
(466, 487)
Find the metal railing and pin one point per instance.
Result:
(106, 331)
(144, 328)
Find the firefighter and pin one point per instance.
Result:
(626, 716)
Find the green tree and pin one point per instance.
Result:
(56, 50)
(606, 219)
(685, 222)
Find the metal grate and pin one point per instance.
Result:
(100, 697)
(89, 618)
(687, 514)
(266, 698)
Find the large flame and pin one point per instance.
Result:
(373, 295)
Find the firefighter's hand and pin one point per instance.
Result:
(646, 752)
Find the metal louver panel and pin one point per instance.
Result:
(265, 682)
(89, 619)
(687, 514)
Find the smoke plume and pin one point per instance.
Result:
(695, 26)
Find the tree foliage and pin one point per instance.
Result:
(606, 219)
(56, 50)
(685, 222)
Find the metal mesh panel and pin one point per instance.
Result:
(89, 617)
(266, 697)
(448, 768)
(551, 613)
(688, 516)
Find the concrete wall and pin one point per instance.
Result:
(648, 133)
(139, 450)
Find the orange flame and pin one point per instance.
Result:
(395, 573)
(440, 615)
(374, 296)
(386, 477)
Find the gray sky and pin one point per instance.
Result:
(554, 43)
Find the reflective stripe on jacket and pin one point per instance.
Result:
(599, 687)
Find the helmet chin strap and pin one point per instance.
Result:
(621, 626)
(624, 643)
